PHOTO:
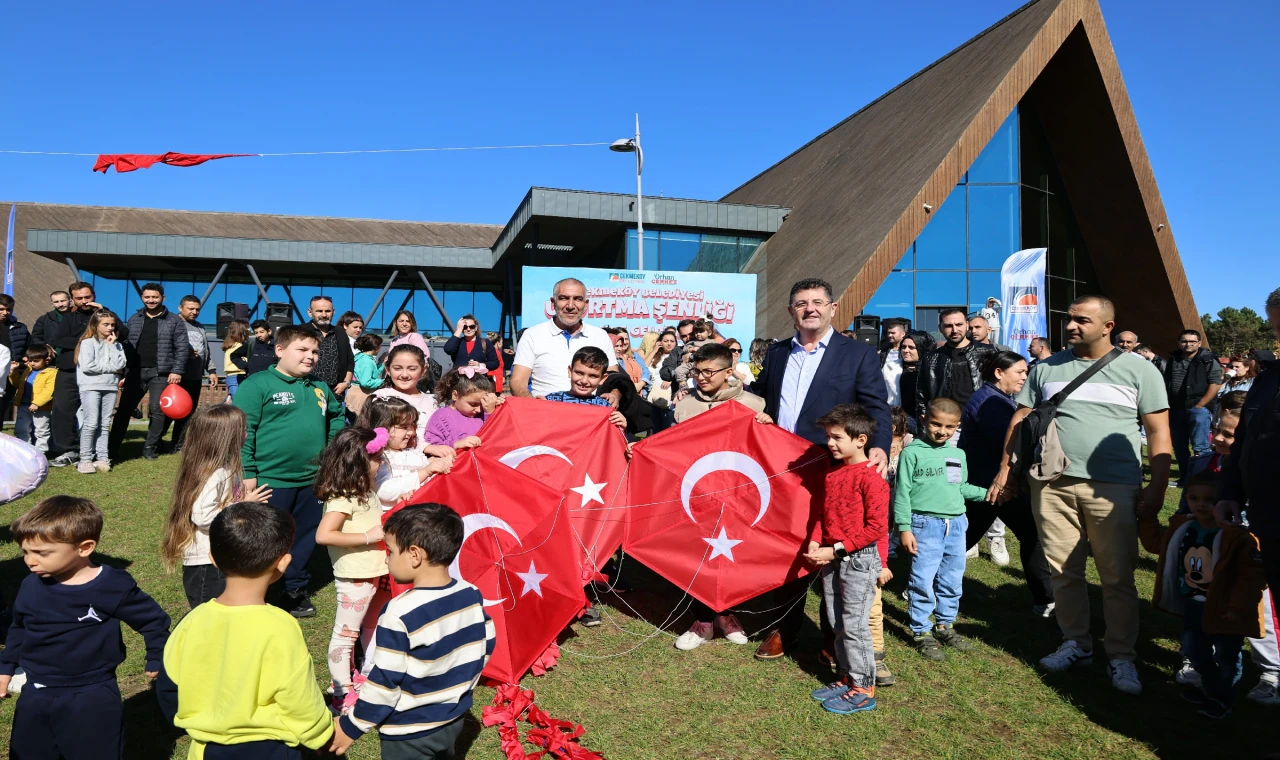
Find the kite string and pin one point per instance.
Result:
(337, 152)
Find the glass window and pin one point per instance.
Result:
(894, 298)
(678, 251)
(114, 294)
(650, 250)
(302, 295)
(246, 294)
(174, 290)
(941, 243)
(488, 311)
(993, 225)
(390, 305)
(362, 301)
(941, 289)
(340, 295)
(746, 249)
(998, 162)
(456, 302)
(716, 253)
(983, 285)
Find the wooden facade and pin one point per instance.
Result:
(858, 192)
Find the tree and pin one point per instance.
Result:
(1236, 331)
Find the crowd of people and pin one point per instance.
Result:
(936, 444)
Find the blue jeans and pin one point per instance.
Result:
(1189, 428)
(937, 570)
(1216, 658)
(232, 382)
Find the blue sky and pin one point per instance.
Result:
(723, 89)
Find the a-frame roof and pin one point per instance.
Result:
(858, 192)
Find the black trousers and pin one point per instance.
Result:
(306, 510)
(1017, 517)
(793, 617)
(192, 381)
(66, 403)
(202, 583)
(70, 722)
(137, 383)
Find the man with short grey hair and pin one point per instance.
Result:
(544, 353)
(1127, 341)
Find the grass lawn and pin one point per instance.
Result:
(640, 698)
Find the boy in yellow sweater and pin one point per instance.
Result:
(33, 391)
(237, 674)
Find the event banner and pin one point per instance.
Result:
(649, 301)
(8, 253)
(1025, 299)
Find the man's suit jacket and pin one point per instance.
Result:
(849, 374)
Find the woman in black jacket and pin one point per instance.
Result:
(468, 346)
(909, 354)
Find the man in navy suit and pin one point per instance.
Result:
(802, 379)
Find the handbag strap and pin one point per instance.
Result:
(1083, 377)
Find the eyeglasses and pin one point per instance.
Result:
(708, 373)
(468, 327)
(735, 350)
(1189, 340)
(819, 304)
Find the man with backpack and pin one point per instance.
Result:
(1086, 482)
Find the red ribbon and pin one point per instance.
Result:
(555, 737)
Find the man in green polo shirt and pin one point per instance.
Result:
(1092, 507)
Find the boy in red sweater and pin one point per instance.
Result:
(855, 540)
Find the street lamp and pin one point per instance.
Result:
(632, 145)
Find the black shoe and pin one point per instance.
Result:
(947, 637)
(590, 618)
(150, 455)
(136, 413)
(297, 603)
(929, 648)
(1214, 709)
(1195, 695)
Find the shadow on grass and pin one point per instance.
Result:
(148, 736)
(1160, 718)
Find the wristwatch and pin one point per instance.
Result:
(839, 549)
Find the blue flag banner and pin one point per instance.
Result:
(8, 253)
(649, 301)
(1026, 308)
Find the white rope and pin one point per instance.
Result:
(338, 152)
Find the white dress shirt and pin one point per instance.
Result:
(802, 365)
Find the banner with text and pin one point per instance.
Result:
(1026, 307)
(8, 253)
(649, 301)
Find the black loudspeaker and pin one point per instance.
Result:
(229, 312)
(867, 328)
(279, 315)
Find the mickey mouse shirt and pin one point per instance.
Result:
(1195, 559)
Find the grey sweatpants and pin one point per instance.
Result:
(848, 590)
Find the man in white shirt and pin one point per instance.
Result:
(890, 361)
(545, 351)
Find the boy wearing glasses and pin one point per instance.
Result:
(712, 368)
(712, 373)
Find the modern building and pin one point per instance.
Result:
(1022, 137)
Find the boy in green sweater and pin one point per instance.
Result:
(290, 419)
(928, 513)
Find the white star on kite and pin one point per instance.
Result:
(589, 491)
(532, 580)
(722, 546)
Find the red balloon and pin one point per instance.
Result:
(175, 402)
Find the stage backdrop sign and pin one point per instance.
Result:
(645, 301)
(1026, 308)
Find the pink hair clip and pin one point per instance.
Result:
(470, 372)
(379, 442)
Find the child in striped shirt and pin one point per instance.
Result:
(432, 643)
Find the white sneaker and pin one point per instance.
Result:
(1043, 610)
(1067, 656)
(999, 552)
(20, 679)
(1124, 676)
(1187, 675)
(1267, 692)
(697, 635)
(972, 553)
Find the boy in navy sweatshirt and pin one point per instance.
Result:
(66, 636)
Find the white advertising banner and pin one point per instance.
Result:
(1026, 308)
